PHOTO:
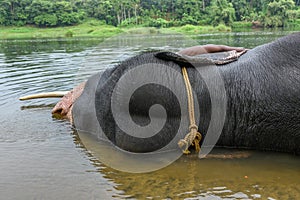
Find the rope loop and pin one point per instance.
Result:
(193, 137)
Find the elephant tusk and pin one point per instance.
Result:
(44, 95)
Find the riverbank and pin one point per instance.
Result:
(82, 30)
(95, 29)
(92, 29)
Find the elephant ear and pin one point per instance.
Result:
(217, 58)
(174, 57)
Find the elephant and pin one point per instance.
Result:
(261, 97)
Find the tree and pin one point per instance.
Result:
(241, 9)
(65, 13)
(277, 12)
(12, 12)
(5, 14)
(46, 20)
(160, 13)
(221, 12)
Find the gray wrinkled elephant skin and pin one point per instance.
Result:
(263, 100)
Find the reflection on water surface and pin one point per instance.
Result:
(256, 175)
(41, 157)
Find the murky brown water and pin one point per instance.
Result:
(43, 158)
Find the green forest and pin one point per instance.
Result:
(151, 13)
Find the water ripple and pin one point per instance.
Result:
(37, 150)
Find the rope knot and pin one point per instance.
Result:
(193, 137)
(193, 126)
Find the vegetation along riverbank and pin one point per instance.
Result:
(93, 28)
(104, 18)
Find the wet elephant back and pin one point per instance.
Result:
(263, 89)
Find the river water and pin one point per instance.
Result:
(41, 157)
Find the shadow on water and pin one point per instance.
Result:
(251, 175)
(40, 106)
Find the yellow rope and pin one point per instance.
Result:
(193, 137)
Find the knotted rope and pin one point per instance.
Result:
(193, 137)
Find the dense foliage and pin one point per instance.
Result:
(156, 13)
